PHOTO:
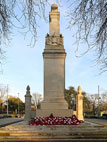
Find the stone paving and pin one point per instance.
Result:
(102, 122)
(21, 131)
(8, 121)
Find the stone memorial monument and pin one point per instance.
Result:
(54, 70)
(79, 105)
(27, 104)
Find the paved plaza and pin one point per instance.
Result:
(99, 121)
(86, 131)
(8, 121)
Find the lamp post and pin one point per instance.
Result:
(7, 100)
(18, 103)
(74, 103)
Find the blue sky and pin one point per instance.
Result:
(24, 65)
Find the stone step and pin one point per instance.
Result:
(98, 133)
(26, 125)
(48, 128)
(21, 128)
(51, 127)
(55, 140)
(26, 132)
(32, 135)
(55, 137)
(55, 132)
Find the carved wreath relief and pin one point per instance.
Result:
(54, 40)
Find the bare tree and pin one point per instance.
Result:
(36, 99)
(89, 17)
(20, 14)
(29, 11)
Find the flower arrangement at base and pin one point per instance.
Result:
(52, 120)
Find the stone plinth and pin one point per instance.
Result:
(55, 112)
(54, 80)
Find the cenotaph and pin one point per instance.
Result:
(54, 70)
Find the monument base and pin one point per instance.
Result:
(57, 112)
(54, 105)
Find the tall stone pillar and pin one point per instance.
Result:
(27, 104)
(54, 69)
(79, 104)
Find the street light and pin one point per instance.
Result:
(18, 103)
(7, 100)
(73, 101)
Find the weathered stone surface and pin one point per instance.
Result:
(54, 16)
(54, 70)
(27, 104)
(54, 40)
(79, 104)
(84, 132)
(55, 112)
